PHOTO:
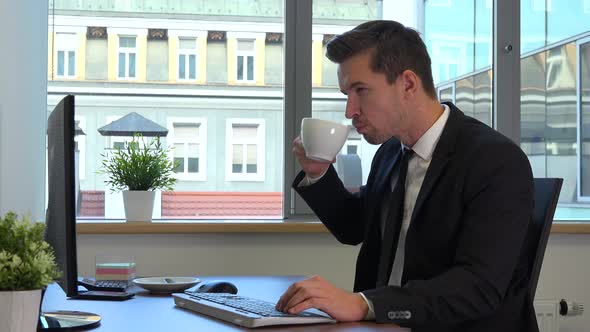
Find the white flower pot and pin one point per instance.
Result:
(19, 310)
(139, 205)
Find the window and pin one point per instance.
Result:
(80, 145)
(539, 5)
(127, 65)
(245, 150)
(65, 45)
(187, 137)
(440, 3)
(245, 60)
(447, 60)
(187, 59)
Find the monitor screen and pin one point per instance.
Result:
(61, 203)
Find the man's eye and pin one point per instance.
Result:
(361, 91)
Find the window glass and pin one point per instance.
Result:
(246, 150)
(327, 101)
(65, 45)
(187, 59)
(532, 25)
(177, 67)
(188, 136)
(127, 52)
(452, 42)
(553, 93)
(245, 59)
(566, 19)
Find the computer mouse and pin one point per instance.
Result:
(217, 286)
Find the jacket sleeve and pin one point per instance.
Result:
(335, 206)
(497, 209)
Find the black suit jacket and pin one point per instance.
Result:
(463, 267)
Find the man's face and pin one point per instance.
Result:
(374, 105)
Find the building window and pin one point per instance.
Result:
(187, 137)
(245, 150)
(66, 44)
(245, 60)
(127, 58)
(187, 59)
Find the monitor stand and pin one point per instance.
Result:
(67, 321)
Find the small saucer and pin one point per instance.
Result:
(164, 285)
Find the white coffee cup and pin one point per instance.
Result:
(322, 139)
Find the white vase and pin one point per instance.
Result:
(19, 310)
(139, 205)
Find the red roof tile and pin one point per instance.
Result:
(201, 205)
(222, 204)
(92, 203)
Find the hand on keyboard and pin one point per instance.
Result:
(318, 293)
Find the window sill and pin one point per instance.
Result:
(570, 227)
(298, 225)
(205, 226)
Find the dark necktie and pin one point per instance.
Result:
(393, 222)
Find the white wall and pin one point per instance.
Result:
(565, 273)
(225, 254)
(23, 103)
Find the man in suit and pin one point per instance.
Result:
(445, 210)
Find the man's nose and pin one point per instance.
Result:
(352, 109)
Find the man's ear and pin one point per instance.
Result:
(410, 81)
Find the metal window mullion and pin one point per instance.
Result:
(579, 44)
(297, 93)
(506, 76)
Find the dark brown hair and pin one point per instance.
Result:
(395, 48)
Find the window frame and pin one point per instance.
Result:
(127, 51)
(187, 53)
(245, 55)
(260, 140)
(171, 140)
(66, 42)
(579, 152)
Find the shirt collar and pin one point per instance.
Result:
(424, 147)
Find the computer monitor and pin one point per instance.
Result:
(60, 217)
(61, 205)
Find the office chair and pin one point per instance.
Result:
(546, 195)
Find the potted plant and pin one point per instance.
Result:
(27, 265)
(138, 170)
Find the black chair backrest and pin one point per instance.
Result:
(546, 196)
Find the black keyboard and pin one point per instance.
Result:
(244, 311)
(104, 285)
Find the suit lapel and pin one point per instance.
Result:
(441, 156)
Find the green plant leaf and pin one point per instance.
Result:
(144, 166)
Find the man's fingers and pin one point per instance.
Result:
(307, 304)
